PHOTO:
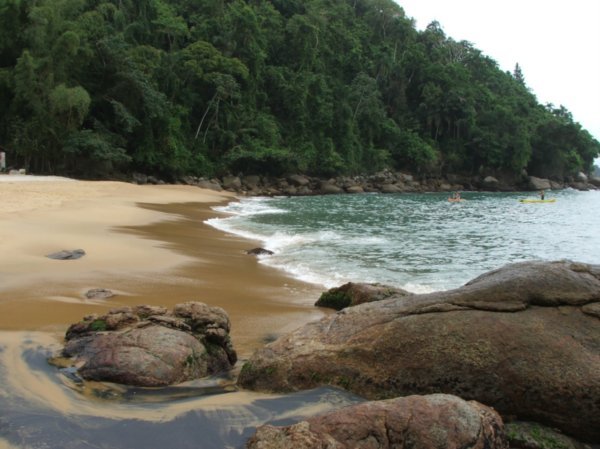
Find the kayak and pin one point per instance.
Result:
(549, 200)
(455, 200)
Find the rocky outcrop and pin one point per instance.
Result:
(426, 422)
(150, 346)
(523, 339)
(352, 294)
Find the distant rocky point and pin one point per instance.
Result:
(385, 181)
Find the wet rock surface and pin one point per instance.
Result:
(67, 254)
(524, 339)
(151, 346)
(425, 422)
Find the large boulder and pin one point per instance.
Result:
(352, 294)
(524, 339)
(539, 183)
(298, 180)
(490, 183)
(426, 422)
(328, 188)
(390, 188)
(150, 346)
(233, 183)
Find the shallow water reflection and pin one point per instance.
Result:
(40, 407)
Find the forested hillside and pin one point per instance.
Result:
(170, 87)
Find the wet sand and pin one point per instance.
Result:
(149, 245)
(146, 243)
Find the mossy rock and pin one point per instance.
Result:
(334, 300)
(353, 294)
(527, 435)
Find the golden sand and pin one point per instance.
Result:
(146, 243)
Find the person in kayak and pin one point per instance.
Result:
(542, 195)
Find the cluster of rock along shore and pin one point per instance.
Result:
(385, 181)
(510, 359)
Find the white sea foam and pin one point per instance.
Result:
(228, 225)
(305, 272)
(415, 241)
(249, 206)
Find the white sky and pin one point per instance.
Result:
(556, 43)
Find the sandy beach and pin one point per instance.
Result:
(147, 243)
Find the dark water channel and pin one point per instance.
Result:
(41, 407)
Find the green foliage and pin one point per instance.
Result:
(337, 300)
(172, 87)
(98, 325)
(523, 434)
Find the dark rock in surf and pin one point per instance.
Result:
(353, 294)
(260, 252)
(67, 254)
(524, 339)
(427, 422)
(150, 346)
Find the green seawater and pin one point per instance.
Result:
(420, 242)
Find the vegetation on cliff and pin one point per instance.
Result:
(171, 87)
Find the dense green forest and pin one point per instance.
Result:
(97, 88)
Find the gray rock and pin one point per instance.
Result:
(539, 183)
(251, 181)
(390, 188)
(490, 183)
(210, 185)
(355, 189)
(99, 293)
(298, 180)
(231, 183)
(67, 254)
(330, 189)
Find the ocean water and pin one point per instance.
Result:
(420, 242)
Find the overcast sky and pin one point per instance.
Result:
(556, 43)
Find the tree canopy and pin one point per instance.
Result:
(98, 88)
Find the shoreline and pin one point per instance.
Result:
(146, 243)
